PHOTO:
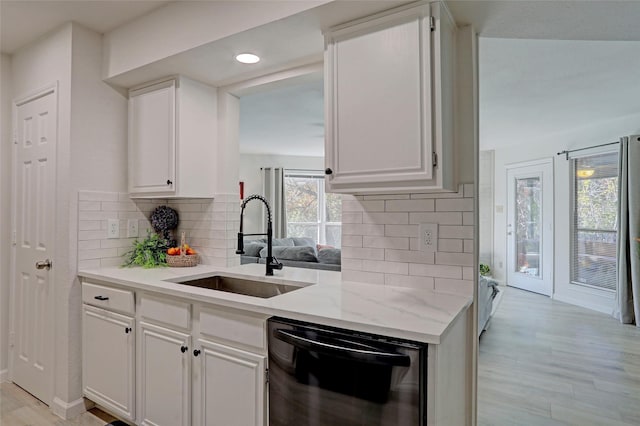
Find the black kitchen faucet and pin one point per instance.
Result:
(272, 262)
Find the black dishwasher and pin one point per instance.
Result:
(325, 376)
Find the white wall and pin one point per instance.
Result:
(548, 147)
(250, 165)
(48, 61)
(5, 210)
(163, 32)
(90, 155)
(485, 203)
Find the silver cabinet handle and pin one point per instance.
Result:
(44, 264)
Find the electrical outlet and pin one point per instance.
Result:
(132, 228)
(113, 228)
(428, 237)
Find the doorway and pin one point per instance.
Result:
(34, 177)
(530, 226)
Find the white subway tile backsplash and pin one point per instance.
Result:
(401, 230)
(385, 267)
(436, 271)
(461, 259)
(455, 246)
(468, 218)
(468, 246)
(210, 226)
(363, 253)
(455, 205)
(394, 229)
(362, 229)
(351, 217)
(409, 205)
(400, 243)
(352, 241)
(449, 218)
(386, 218)
(412, 256)
(455, 231)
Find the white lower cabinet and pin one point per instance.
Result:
(108, 360)
(241, 400)
(164, 376)
(184, 364)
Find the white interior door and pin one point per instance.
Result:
(530, 226)
(34, 202)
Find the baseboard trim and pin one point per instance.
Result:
(4, 375)
(69, 410)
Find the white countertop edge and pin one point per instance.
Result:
(317, 283)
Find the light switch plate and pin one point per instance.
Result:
(113, 228)
(132, 228)
(428, 237)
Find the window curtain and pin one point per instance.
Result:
(273, 191)
(628, 295)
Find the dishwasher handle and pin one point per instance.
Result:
(342, 348)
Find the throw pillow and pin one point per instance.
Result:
(301, 253)
(253, 249)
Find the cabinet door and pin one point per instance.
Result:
(229, 387)
(379, 107)
(152, 139)
(108, 360)
(164, 376)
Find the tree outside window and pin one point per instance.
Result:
(311, 212)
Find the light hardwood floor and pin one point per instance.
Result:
(19, 408)
(541, 362)
(544, 362)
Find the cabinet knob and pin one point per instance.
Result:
(169, 182)
(328, 171)
(127, 330)
(183, 349)
(196, 352)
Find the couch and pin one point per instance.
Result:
(487, 291)
(293, 252)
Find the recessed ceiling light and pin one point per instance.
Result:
(247, 58)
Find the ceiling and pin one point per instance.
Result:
(285, 120)
(545, 66)
(532, 89)
(24, 21)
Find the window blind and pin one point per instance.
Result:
(594, 225)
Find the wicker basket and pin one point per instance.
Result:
(182, 260)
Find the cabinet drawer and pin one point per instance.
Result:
(234, 327)
(114, 299)
(166, 311)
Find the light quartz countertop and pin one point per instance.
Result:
(419, 315)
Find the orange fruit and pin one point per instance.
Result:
(191, 251)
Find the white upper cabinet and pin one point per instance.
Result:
(172, 140)
(389, 102)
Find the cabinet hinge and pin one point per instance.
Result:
(432, 23)
(434, 159)
(14, 238)
(266, 375)
(15, 137)
(12, 338)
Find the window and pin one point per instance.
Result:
(595, 210)
(310, 212)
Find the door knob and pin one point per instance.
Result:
(509, 233)
(44, 264)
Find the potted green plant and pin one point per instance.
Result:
(148, 253)
(485, 270)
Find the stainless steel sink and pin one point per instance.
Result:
(261, 289)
